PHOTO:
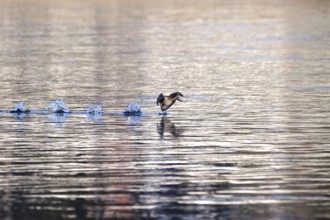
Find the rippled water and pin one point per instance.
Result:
(252, 142)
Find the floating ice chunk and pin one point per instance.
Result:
(133, 109)
(94, 110)
(20, 108)
(58, 106)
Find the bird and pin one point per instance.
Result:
(167, 101)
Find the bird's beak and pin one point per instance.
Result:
(181, 99)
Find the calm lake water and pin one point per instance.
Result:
(252, 142)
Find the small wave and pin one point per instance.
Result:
(133, 109)
(58, 106)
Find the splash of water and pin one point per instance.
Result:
(20, 108)
(58, 106)
(133, 109)
(163, 113)
(94, 110)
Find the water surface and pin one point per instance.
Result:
(252, 142)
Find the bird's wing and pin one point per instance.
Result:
(160, 98)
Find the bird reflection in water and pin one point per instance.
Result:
(166, 126)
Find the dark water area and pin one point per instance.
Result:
(251, 142)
